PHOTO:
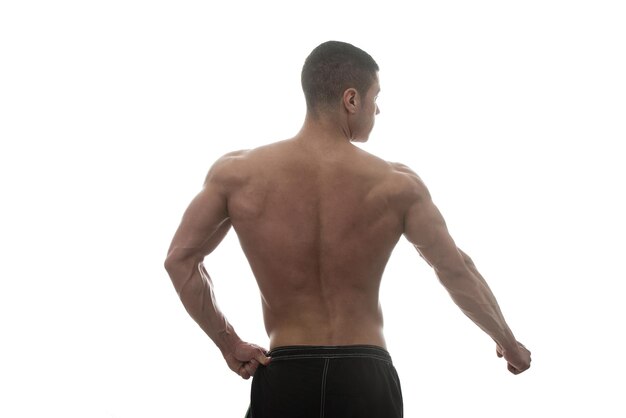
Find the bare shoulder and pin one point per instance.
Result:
(226, 168)
(238, 166)
(397, 179)
(228, 159)
(410, 184)
(247, 156)
(405, 172)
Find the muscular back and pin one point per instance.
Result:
(317, 225)
(318, 222)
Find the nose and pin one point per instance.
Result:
(377, 109)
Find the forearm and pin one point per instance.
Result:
(195, 289)
(473, 296)
(470, 264)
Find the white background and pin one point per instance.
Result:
(112, 112)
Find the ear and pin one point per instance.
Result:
(351, 100)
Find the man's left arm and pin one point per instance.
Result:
(204, 225)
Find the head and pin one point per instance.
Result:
(338, 76)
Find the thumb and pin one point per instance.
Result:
(261, 357)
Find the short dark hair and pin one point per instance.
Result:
(333, 67)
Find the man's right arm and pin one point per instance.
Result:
(426, 229)
(205, 223)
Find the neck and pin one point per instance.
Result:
(325, 128)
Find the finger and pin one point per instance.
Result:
(261, 357)
(513, 369)
(244, 373)
(251, 367)
(235, 366)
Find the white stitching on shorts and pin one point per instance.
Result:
(323, 395)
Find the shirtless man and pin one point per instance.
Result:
(317, 219)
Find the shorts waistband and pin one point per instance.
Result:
(329, 352)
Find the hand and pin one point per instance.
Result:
(518, 359)
(245, 359)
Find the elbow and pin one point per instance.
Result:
(455, 277)
(182, 272)
(178, 259)
(451, 279)
(176, 268)
(168, 264)
(466, 258)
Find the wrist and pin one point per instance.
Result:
(507, 342)
(227, 340)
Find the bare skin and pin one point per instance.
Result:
(317, 219)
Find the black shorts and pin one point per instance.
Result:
(356, 381)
